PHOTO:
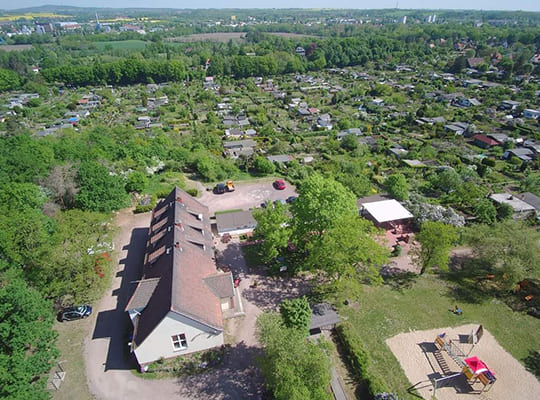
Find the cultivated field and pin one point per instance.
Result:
(223, 37)
(15, 47)
(122, 44)
(30, 16)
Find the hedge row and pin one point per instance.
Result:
(358, 360)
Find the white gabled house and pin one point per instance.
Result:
(177, 306)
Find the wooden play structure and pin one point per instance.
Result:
(477, 371)
(474, 369)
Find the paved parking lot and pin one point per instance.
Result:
(246, 196)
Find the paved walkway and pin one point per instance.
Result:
(337, 389)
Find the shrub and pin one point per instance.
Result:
(139, 208)
(490, 162)
(192, 192)
(296, 313)
(161, 194)
(142, 209)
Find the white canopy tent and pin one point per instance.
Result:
(387, 211)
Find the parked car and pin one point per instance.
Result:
(279, 184)
(220, 188)
(291, 199)
(279, 201)
(77, 312)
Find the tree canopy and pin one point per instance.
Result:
(99, 190)
(509, 249)
(26, 339)
(397, 186)
(321, 202)
(436, 240)
(296, 313)
(348, 250)
(293, 367)
(271, 226)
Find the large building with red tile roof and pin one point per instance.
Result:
(177, 306)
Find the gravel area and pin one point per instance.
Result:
(245, 196)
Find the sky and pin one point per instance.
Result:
(525, 5)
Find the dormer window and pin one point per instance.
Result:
(153, 257)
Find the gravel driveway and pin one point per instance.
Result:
(246, 196)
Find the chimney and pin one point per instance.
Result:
(179, 199)
(177, 245)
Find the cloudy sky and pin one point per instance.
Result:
(526, 5)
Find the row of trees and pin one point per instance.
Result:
(125, 72)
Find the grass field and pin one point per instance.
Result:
(223, 37)
(165, 182)
(122, 44)
(382, 312)
(71, 336)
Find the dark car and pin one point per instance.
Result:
(220, 188)
(291, 199)
(72, 313)
(279, 184)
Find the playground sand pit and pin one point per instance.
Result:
(417, 356)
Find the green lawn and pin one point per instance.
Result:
(71, 336)
(122, 44)
(382, 312)
(165, 182)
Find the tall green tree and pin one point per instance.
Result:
(136, 182)
(531, 183)
(272, 227)
(264, 166)
(71, 266)
(436, 240)
(321, 202)
(485, 212)
(447, 180)
(296, 313)
(396, 185)
(508, 249)
(293, 367)
(9, 80)
(98, 189)
(347, 250)
(27, 340)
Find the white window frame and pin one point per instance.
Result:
(179, 342)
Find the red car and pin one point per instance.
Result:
(279, 184)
